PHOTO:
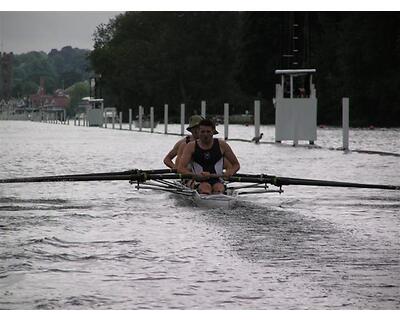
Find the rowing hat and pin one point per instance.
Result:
(194, 122)
(211, 123)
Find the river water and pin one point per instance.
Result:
(105, 245)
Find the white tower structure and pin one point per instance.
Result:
(295, 106)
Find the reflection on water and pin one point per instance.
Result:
(99, 245)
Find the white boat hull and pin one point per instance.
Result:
(210, 201)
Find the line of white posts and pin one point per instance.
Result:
(345, 120)
(49, 117)
(182, 118)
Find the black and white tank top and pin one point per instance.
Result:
(210, 160)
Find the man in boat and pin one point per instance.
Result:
(206, 156)
(194, 130)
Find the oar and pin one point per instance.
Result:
(100, 176)
(282, 181)
(133, 171)
(139, 176)
(144, 175)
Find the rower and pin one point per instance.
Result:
(193, 129)
(206, 156)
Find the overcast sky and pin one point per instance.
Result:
(23, 31)
(42, 31)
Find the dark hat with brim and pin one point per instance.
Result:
(194, 122)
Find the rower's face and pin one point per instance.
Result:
(205, 134)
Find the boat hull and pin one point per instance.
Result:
(213, 201)
(209, 201)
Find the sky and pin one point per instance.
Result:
(23, 28)
(22, 32)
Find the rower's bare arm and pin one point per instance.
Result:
(231, 157)
(186, 158)
(180, 153)
(227, 164)
(171, 155)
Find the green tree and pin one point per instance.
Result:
(60, 69)
(76, 92)
(151, 58)
(157, 57)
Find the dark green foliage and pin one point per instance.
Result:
(152, 58)
(76, 92)
(60, 69)
(168, 57)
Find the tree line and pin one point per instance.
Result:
(60, 68)
(152, 58)
(68, 68)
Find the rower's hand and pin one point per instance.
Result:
(227, 174)
(204, 176)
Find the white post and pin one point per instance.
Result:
(256, 118)
(203, 109)
(105, 119)
(130, 119)
(345, 123)
(140, 117)
(226, 120)
(120, 120)
(151, 119)
(102, 113)
(113, 119)
(182, 119)
(291, 86)
(296, 128)
(165, 118)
